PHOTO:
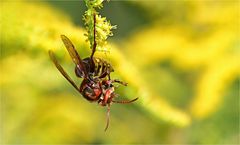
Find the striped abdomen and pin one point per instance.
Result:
(100, 69)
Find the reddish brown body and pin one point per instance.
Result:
(96, 84)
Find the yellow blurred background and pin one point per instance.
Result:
(181, 58)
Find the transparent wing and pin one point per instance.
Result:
(62, 71)
(74, 55)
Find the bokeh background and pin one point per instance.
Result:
(181, 58)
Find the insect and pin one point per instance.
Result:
(96, 85)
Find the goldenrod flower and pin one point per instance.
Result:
(103, 27)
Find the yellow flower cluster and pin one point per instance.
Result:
(102, 26)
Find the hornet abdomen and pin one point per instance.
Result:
(99, 69)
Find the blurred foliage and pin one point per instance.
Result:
(183, 64)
